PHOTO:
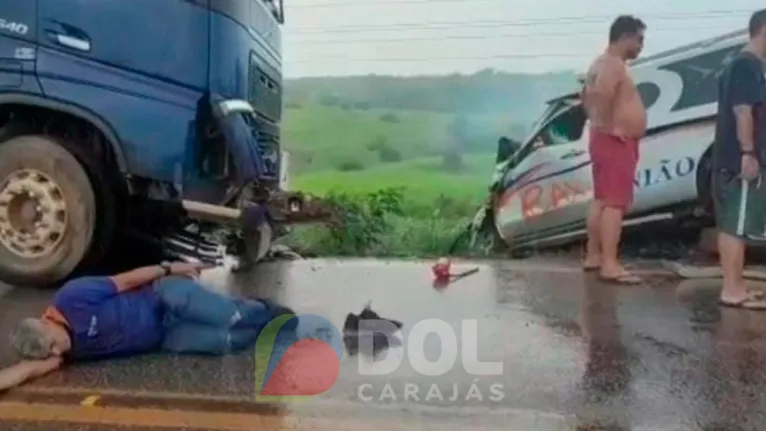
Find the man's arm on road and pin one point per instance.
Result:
(137, 277)
(601, 90)
(17, 374)
(746, 92)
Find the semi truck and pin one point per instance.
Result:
(150, 119)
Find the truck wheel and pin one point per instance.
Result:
(47, 211)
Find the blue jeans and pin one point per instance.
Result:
(197, 320)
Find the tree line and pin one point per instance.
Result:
(486, 91)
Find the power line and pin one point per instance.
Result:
(479, 37)
(378, 3)
(517, 23)
(429, 58)
(338, 4)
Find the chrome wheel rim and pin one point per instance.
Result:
(33, 213)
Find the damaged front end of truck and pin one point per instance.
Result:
(237, 201)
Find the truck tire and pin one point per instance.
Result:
(106, 192)
(47, 211)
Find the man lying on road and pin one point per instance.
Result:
(160, 307)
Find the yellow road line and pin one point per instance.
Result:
(90, 400)
(175, 419)
(102, 392)
(314, 407)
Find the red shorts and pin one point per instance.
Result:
(614, 168)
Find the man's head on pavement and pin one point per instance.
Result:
(626, 36)
(757, 29)
(39, 339)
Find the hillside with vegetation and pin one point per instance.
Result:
(425, 145)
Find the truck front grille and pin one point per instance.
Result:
(267, 136)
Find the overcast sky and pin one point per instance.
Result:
(407, 37)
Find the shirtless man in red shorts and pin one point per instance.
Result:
(617, 123)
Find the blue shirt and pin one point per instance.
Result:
(104, 322)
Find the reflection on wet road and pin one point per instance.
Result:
(575, 355)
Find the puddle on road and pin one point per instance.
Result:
(567, 342)
(511, 327)
(655, 354)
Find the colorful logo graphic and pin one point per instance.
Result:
(296, 356)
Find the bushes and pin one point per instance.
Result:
(452, 161)
(390, 118)
(350, 165)
(386, 153)
(382, 224)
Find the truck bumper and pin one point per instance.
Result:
(253, 223)
(282, 207)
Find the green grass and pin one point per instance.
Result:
(322, 137)
(379, 224)
(408, 208)
(425, 185)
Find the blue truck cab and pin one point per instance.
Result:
(155, 117)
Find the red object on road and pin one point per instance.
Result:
(441, 269)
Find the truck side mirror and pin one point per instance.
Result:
(506, 147)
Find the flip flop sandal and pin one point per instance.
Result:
(625, 279)
(745, 304)
(596, 268)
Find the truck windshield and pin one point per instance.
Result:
(276, 8)
(250, 13)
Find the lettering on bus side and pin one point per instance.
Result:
(668, 170)
(536, 199)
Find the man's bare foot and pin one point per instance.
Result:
(748, 302)
(619, 275)
(591, 263)
(750, 299)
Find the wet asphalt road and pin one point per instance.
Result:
(576, 355)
